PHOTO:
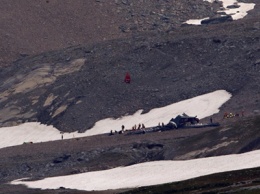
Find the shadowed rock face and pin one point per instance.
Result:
(25, 83)
(43, 75)
(217, 20)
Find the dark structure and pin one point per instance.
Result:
(182, 121)
(217, 20)
(179, 122)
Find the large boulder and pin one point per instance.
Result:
(217, 20)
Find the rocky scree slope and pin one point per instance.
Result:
(75, 87)
(31, 27)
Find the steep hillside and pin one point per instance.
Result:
(74, 156)
(73, 88)
(63, 63)
(30, 27)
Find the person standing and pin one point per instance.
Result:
(127, 78)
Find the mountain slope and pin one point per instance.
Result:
(63, 63)
(80, 85)
(30, 27)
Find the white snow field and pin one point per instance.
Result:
(149, 173)
(236, 13)
(144, 174)
(201, 106)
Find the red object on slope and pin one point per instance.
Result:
(127, 78)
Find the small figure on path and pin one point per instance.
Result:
(111, 133)
(139, 126)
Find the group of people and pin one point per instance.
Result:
(118, 132)
(231, 115)
(140, 126)
(159, 124)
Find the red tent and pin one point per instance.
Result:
(127, 78)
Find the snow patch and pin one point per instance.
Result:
(236, 13)
(202, 106)
(149, 173)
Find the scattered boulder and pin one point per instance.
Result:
(256, 26)
(256, 111)
(147, 145)
(234, 6)
(24, 55)
(217, 20)
(123, 28)
(25, 167)
(216, 40)
(125, 2)
(61, 158)
(257, 62)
